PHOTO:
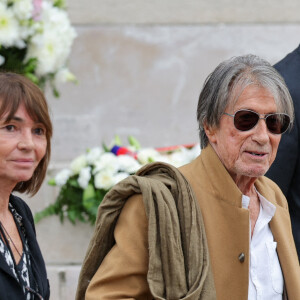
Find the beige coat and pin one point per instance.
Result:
(123, 273)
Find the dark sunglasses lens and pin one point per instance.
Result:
(278, 123)
(245, 120)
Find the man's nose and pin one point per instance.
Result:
(261, 134)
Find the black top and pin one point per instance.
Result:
(285, 170)
(10, 289)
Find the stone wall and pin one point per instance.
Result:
(140, 67)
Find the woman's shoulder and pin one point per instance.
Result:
(21, 207)
(18, 202)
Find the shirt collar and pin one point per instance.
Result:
(267, 208)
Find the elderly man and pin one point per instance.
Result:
(157, 245)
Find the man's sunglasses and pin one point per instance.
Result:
(244, 120)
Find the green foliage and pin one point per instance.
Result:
(15, 62)
(134, 142)
(60, 3)
(74, 203)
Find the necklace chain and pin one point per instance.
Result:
(10, 240)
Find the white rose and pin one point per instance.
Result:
(147, 155)
(164, 159)
(2, 60)
(179, 158)
(64, 75)
(9, 27)
(62, 177)
(104, 180)
(93, 155)
(120, 176)
(107, 161)
(23, 9)
(84, 177)
(128, 164)
(194, 152)
(78, 163)
(52, 43)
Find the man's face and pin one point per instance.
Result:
(246, 153)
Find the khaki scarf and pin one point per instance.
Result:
(173, 213)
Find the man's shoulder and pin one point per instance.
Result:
(290, 58)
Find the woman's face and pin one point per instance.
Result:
(22, 146)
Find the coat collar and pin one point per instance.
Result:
(208, 168)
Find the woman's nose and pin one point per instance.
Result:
(26, 141)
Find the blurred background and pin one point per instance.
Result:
(140, 66)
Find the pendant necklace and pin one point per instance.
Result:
(8, 238)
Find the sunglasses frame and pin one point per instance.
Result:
(259, 117)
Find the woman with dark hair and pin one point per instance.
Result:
(25, 133)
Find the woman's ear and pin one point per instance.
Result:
(211, 133)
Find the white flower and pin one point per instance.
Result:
(2, 60)
(194, 152)
(62, 177)
(179, 157)
(108, 161)
(104, 180)
(64, 75)
(120, 176)
(164, 159)
(147, 155)
(93, 155)
(84, 177)
(78, 163)
(9, 27)
(23, 9)
(128, 164)
(52, 45)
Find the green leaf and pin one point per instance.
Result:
(150, 160)
(73, 182)
(59, 4)
(72, 214)
(117, 140)
(32, 77)
(105, 148)
(89, 192)
(134, 142)
(56, 93)
(48, 211)
(30, 65)
(52, 182)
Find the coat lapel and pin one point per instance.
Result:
(220, 200)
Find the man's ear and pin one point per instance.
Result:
(211, 133)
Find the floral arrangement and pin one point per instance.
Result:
(35, 40)
(90, 176)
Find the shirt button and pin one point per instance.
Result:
(242, 257)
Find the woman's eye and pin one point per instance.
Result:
(10, 127)
(39, 131)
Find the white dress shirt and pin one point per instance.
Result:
(265, 276)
